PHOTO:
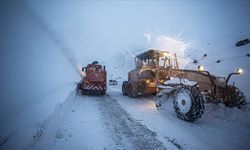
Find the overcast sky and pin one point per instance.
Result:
(91, 27)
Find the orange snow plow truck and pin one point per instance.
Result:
(94, 80)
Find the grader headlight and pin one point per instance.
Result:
(165, 54)
(161, 81)
(200, 68)
(239, 71)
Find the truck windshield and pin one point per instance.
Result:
(94, 67)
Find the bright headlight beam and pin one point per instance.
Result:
(200, 68)
(239, 71)
(165, 54)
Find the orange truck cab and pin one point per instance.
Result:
(95, 80)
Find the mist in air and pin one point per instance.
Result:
(44, 44)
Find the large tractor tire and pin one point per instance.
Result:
(188, 103)
(125, 87)
(132, 90)
(236, 98)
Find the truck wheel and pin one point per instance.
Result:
(78, 90)
(124, 87)
(132, 91)
(84, 92)
(236, 98)
(188, 103)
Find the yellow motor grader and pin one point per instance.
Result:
(158, 73)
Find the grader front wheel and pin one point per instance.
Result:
(188, 103)
(124, 88)
(132, 91)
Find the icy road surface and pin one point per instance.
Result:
(91, 122)
(119, 122)
(115, 122)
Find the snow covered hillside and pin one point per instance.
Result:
(221, 57)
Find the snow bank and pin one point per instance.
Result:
(17, 132)
(235, 116)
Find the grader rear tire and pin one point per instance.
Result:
(236, 98)
(188, 103)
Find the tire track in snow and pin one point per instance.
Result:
(174, 142)
(127, 132)
(143, 109)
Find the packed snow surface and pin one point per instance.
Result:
(115, 121)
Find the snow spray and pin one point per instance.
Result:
(173, 44)
(58, 41)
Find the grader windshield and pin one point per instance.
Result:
(156, 59)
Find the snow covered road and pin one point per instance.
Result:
(119, 122)
(127, 132)
(80, 128)
(91, 122)
(218, 125)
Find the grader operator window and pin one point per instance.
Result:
(153, 62)
(164, 62)
(167, 62)
(156, 59)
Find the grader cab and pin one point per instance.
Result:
(144, 79)
(158, 73)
